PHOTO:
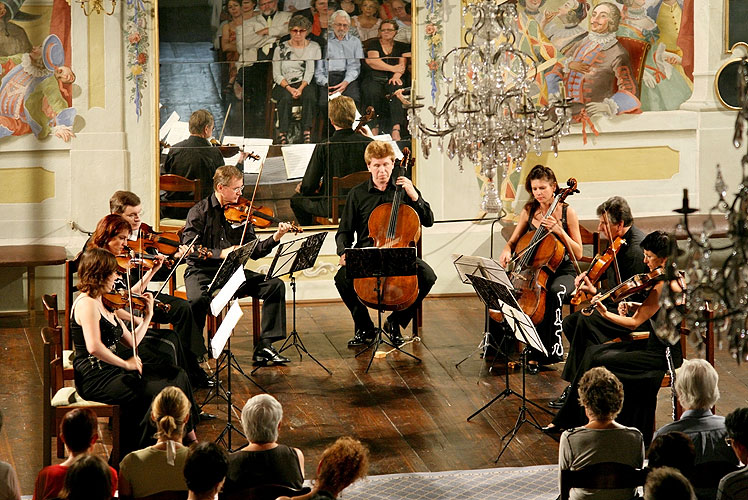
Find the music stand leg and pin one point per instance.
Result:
(224, 437)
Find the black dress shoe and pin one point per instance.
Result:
(533, 367)
(201, 380)
(362, 337)
(265, 355)
(393, 331)
(559, 401)
(204, 415)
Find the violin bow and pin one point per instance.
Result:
(223, 127)
(132, 318)
(610, 238)
(174, 268)
(250, 208)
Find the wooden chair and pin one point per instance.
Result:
(340, 188)
(166, 495)
(707, 475)
(52, 314)
(71, 267)
(178, 184)
(58, 399)
(264, 492)
(637, 50)
(602, 476)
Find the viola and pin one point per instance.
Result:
(365, 118)
(635, 284)
(165, 242)
(392, 225)
(261, 217)
(120, 299)
(540, 254)
(598, 266)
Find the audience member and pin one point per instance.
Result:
(674, 449)
(79, 431)
(367, 22)
(340, 68)
(296, 5)
(667, 483)
(350, 7)
(734, 486)
(264, 461)
(88, 478)
(159, 467)
(342, 464)
(228, 39)
(602, 439)
(205, 470)
(697, 390)
(9, 489)
(404, 21)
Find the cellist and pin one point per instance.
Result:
(614, 221)
(562, 224)
(360, 203)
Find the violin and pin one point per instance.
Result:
(599, 265)
(166, 243)
(635, 284)
(392, 225)
(261, 217)
(126, 262)
(120, 299)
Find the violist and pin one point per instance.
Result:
(353, 231)
(563, 224)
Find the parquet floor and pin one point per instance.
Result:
(411, 415)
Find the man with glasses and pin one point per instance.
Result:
(207, 226)
(735, 485)
(404, 21)
(340, 68)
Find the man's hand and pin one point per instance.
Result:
(583, 283)
(579, 66)
(263, 32)
(342, 260)
(407, 185)
(283, 228)
(338, 88)
(226, 251)
(298, 188)
(242, 156)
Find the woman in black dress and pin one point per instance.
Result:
(104, 376)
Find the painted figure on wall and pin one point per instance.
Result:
(565, 28)
(32, 96)
(532, 41)
(13, 38)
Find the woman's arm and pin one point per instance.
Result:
(87, 315)
(374, 62)
(142, 328)
(140, 287)
(300, 456)
(125, 490)
(227, 45)
(645, 311)
(519, 230)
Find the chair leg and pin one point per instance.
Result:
(255, 321)
(115, 438)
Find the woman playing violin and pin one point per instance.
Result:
(563, 224)
(639, 364)
(103, 375)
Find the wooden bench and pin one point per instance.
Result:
(30, 257)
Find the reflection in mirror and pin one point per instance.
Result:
(265, 74)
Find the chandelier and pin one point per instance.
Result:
(493, 111)
(717, 275)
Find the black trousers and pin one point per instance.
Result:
(180, 315)
(306, 207)
(360, 313)
(284, 103)
(272, 292)
(334, 78)
(390, 111)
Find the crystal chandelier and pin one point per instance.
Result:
(490, 112)
(717, 275)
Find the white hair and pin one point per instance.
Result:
(696, 384)
(260, 418)
(340, 12)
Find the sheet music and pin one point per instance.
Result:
(480, 266)
(227, 292)
(388, 138)
(224, 331)
(166, 127)
(296, 157)
(256, 145)
(179, 132)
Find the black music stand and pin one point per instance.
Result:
(496, 295)
(374, 262)
(292, 257)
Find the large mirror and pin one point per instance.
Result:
(265, 72)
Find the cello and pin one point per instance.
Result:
(538, 257)
(392, 225)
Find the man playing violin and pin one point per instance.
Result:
(195, 158)
(614, 221)
(128, 205)
(360, 203)
(207, 225)
(342, 156)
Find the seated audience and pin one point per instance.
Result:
(159, 467)
(205, 470)
(342, 464)
(9, 488)
(674, 449)
(88, 478)
(338, 72)
(367, 22)
(404, 21)
(602, 439)
(264, 461)
(734, 486)
(667, 483)
(79, 431)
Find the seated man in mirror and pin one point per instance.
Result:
(207, 226)
(360, 203)
(340, 68)
(342, 156)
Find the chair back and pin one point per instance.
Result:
(167, 495)
(602, 476)
(637, 50)
(71, 268)
(52, 360)
(340, 188)
(178, 184)
(50, 310)
(264, 492)
(707, 475)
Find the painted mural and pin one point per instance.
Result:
(35, 74)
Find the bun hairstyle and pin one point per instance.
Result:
(170, 410)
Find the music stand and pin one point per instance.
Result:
(496, 295)
(292, 257)
(374, 262)
(467, 265)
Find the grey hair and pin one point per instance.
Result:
(260, 418)
(696, 384)
(340, 12)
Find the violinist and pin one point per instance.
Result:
(195, 158)
(206, 222)
(104, 375)
(614, 221)
(128, 205)
(343, 155)
(353, 228)
(563, 224)
(639, 364)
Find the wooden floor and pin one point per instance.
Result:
(411, 415)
